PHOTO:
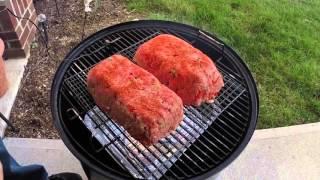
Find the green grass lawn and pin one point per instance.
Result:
(278, 39)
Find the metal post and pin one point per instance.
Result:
(57, 7)
(42, 19)
(84, 25)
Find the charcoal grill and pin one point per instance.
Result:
(209, 138)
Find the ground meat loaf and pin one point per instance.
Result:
(180, 66)
(135, 99)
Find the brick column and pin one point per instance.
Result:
(17, 34)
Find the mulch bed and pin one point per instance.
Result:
(31, 113)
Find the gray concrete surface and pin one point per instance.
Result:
(281, 153)
(14, 70)
(53, 154)
(289, 153)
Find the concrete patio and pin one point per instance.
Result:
(280, 153)
(14, 70)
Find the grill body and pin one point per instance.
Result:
(218, 146)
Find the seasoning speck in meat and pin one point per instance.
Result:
(135, 99)
(184, 69)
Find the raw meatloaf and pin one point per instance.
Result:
(181, 67)
(135, 99)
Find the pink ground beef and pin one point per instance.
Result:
(135, 99)
(183, 68)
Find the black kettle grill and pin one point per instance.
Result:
(225, 127)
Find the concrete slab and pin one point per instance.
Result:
(52, 154)
(14, 70)
(280, 153)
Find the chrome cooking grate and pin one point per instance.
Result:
(152, 162)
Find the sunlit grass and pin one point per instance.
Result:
(278, 39)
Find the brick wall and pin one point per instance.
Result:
(17, 34)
